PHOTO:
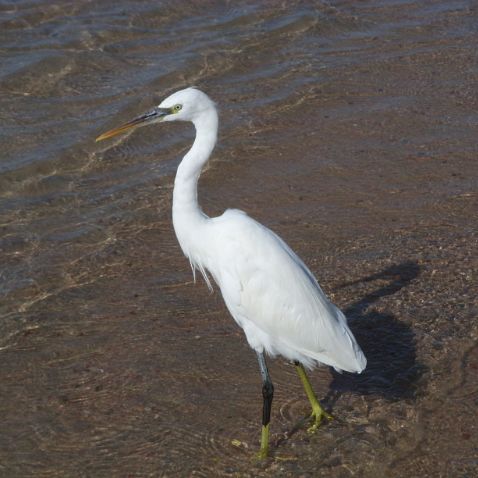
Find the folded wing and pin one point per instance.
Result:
(275, 298)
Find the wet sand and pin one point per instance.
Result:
(361, 154)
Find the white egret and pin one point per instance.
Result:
(267, 288)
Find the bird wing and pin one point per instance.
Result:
(272, 294)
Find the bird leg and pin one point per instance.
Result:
(317, 411)
(267, 395)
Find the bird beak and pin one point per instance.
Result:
(153, 116)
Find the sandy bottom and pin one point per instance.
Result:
(113, 363)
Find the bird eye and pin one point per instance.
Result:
(177, 108)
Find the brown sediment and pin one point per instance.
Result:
(349, 130)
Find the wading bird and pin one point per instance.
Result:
(267, 288)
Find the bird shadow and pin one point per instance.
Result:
(392, 371)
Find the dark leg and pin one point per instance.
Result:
(267, 395)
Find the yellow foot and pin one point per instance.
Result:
(317, 414)
(262, 455)
(264, 451)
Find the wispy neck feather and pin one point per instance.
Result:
(190, 223)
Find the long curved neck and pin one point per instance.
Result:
(185, 201)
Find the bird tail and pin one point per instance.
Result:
(344, 353)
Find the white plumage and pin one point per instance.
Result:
(273, 296)
(268, 290)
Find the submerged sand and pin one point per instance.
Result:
(349, 130)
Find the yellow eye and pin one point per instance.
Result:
(177, 108)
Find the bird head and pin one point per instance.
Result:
(183, 105)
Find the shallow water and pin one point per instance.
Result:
(349, 128)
